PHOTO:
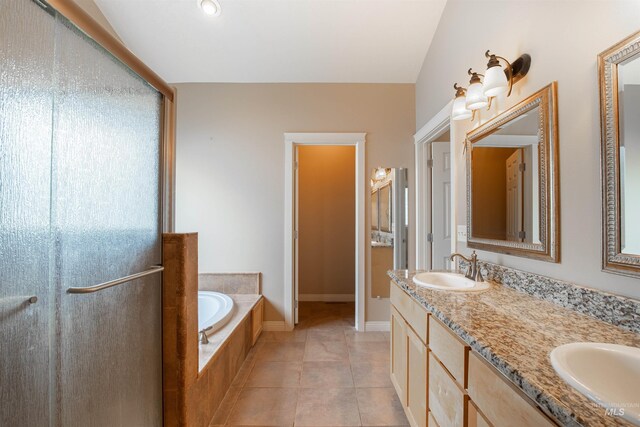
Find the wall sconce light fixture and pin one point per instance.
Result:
(459, 110)
(497, 80)
(476, 98)
(380, 173)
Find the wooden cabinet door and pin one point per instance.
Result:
(499, 400)
(416, 380)
(399, 355)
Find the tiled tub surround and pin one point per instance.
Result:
(230, 283)
(196, 377)
(243, 306)
(515, 332)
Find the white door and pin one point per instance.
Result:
(441, 204)
(514, 197)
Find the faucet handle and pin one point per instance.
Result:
(203, 337)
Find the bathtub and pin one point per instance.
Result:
(214, 310)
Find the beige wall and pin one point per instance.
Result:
(327, 220)
(563, 38)
(230, 165)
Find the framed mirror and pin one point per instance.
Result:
(375, 222)
(390, 226)
(512, 180)
(619, 75)
(385, 208)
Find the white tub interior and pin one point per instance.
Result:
(214, 310)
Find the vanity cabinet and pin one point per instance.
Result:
(441, 382)
(499, 400)
(399, 355)
(416, 386)
(409, 355)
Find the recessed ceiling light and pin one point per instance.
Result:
(210, 7)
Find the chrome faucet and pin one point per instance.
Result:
(203, 337)
(473, 272)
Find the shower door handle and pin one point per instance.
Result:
(90, 289)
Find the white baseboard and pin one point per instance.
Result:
(377, 326)
(327, 297)
(274, 326)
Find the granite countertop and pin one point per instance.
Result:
(515, 332)
(381, 245)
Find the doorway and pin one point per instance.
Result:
(325, 223)
(435, 190)
(291, 215)
(440, 169)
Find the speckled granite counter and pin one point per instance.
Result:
(516, 332)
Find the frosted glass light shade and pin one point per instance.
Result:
(475, 97)
(495, 81)
(459, 110)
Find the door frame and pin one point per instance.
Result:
(422, 140)
(291, 141)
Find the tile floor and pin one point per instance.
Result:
(321, 374)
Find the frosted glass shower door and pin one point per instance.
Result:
(106, 219)
(26, 75)
(80, 139)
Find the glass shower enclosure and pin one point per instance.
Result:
(80, 205)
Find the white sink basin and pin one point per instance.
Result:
(448, 282)
(608, 374)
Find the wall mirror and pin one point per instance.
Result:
(619, 72)
(512, 180)
(389, 226)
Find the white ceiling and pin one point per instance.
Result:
(272, 41)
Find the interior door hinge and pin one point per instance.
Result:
(522, 167)
(296, 165)
(430, 163)
(522, 234)
(429, 237)
(295, 234)
(296, 303)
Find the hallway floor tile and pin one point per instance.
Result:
(323, 373)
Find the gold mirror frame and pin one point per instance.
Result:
(549, 247)
(613, 260)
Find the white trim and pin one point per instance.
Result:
(434, 127)
(378, 326)
(427, 133)
(274, 326)
(327, 297)
(290, 141)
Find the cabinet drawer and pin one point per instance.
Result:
(499, 400)
(474, 417)
(450, 349)
(413, 313)
(446, 399)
